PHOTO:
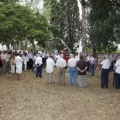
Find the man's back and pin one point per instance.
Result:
(81, 64)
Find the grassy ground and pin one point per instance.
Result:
(32, 99)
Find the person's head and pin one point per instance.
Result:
(81, 57)
(71, 56)
(118, 57)
(61, 55)
(50, 55)
(16, 54)
(92, 55)
(38, 55)
(25, 54)
(106, 56)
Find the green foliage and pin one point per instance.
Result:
(18, 22)
(104, 25)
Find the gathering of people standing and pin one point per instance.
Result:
(77, 68)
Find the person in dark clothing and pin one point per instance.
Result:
(82, 67)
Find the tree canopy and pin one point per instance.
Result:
(18, 22)
(104, 25)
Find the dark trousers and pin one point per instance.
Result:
(39, 71)
(104, 78)
(92, 69)
(30, 63)
(44, 62)
(117, 80)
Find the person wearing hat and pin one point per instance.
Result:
(82, 67)
(105, 72)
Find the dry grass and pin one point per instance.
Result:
(32, 99)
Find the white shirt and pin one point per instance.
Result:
(87, 59)
(72, 62)
(7, 57)
(77, 58)
(55, 51)
(38, 60)
(61, 63)
(50, 64)
(34, 57)
(30, 55)
(43, 55)
(25, 59)
(92, 60)
(2, 56)
(105, 64)
(57, 57)
(117, 65)
(18, 60)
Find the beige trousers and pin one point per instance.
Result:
(61, 76)
(49, 77)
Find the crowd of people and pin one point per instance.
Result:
(79, 65)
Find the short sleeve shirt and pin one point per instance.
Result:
(81, 64)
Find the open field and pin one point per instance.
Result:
(32, 99)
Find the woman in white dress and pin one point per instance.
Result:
(18, 62)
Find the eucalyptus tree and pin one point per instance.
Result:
(64, 20)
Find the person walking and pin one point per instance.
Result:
(82, 67)
(72, 69)
(117, 73)
(49, 68)
(61, 64)
(105, 72)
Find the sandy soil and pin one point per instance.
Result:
(32, 99)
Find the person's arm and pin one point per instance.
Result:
(79, 69)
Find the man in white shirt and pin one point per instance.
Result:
(38, 63)
(18, 62)
(117, 73)
(61, 64)
(49, 68)
(72, 69)
(105, 72)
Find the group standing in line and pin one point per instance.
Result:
(36, 61)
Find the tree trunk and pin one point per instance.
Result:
(26, 43)
(33, 45)
(8, 46)
(94, 51)
(83, 29)
(19, 45)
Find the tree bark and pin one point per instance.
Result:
(83, 29)
(19, 45)
(8, 46)
(33, 45)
